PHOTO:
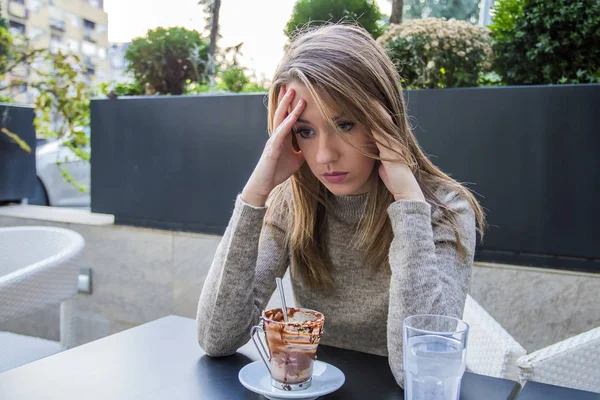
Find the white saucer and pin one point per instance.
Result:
(326, 379)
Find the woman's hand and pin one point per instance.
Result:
(279, 160)
(396, 175)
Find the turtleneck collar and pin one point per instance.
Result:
(348, 209)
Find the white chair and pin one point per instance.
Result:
(491, 350)
(573, 363)
(37, 269)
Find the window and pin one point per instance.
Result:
(89, 75)
(35, 5)
(102, 53)
(75, 20)
(57, 18)
(89, 25)
(16, 28)
(73, 45)
(94, 3)
(88, 49)
(56, 44)
(88, 30)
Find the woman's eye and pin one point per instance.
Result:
(346, 126)
(304, 133)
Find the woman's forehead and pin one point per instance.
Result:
(312, 106)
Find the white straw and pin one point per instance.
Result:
(282, 295)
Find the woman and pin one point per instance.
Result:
(373, 232)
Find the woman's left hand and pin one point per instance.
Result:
(396, 175)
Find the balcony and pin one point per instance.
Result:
(17, 10)
(90, 35)
(58, 25)
(89, 63)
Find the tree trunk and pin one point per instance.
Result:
(214, 34)
(396, 16)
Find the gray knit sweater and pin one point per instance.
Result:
(365, 311)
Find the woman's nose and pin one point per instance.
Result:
(328, 151)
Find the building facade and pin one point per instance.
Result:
(78, 27)
(118, 64)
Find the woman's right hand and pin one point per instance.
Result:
(279, 160)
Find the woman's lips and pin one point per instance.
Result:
(335, 177)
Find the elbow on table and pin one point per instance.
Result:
(214, 346)
(214, 349)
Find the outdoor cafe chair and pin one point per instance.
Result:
(37, 269)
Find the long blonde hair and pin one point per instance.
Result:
(345, 62)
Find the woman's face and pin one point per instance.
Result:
(339, 166)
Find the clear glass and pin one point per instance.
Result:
(434, 357)
(291, 346)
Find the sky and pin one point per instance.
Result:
(257, 23)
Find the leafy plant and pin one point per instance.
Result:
(165, 59)
(6, 43)
(62, 102)
(318, 12)
(254, 87)
(113, 89)
(234, 79)
(547, 41)
(438, 53)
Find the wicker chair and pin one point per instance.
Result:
(37, 269)
(491, 350)
(573, 363)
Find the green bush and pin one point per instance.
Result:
(438, 53)
(318, 12)
(253, 87)
(194, 88)
(6, 43)
(234, 79)
(121, 89)
(165, 59)
(547, 41)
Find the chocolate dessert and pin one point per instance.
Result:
(292, 345)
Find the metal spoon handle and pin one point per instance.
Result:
(282, 296)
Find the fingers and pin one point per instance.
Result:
(281, 93)
(284, 100)
(287, 124)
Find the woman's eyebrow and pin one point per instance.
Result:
(335, 119)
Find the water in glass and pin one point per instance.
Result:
(434, 368)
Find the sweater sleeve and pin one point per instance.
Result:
(428, 275)
(241, 279)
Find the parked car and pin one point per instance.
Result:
(52, 188)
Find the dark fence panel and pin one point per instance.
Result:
(532, 153)
(175, 162)
(17, 167)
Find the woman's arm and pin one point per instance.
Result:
(241, 280)
(428, 275)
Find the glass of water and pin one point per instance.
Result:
(434, 357)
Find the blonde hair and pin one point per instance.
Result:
(345, 62)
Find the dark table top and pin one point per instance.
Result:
(162, 360)
(540, 391)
